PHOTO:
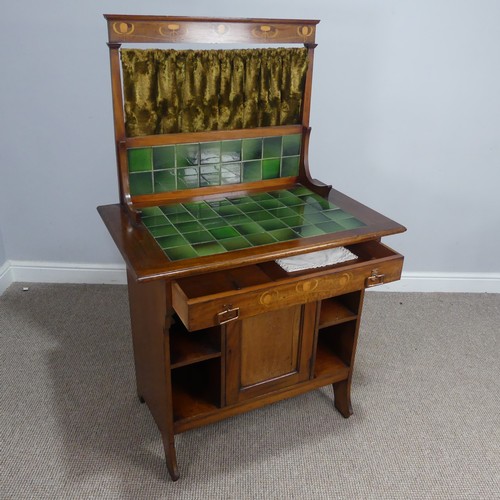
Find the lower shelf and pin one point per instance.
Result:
(328, 364)
(188, 405)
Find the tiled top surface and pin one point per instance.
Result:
(185, 166)
(197, 229)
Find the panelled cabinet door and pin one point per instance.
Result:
(269, 351)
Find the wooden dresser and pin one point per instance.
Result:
(214, 183)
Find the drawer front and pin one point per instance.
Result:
(210, 310)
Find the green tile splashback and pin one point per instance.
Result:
(161, 169)
(200, 228)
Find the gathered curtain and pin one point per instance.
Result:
(168, 91)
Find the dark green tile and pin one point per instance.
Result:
(200, 210)
(187, 155)
(210, 175)
(218, 203)
(351, 223)
(163, 230)
(213, 223)
(260, 239)
(237, 219)
(182, 217)
(252, 171)
(155, 220)
(290, 166)
(240, 200)
(271, 147)
(235, 243)
(291, 144)
(308, 231)
(230, 151)
(272, 224)
(230, 173)
(300, 190)
(149, 211)
(141, 183)
(250, 207)
(249, 228)
(298, 209)
(176, 208)
(316, 218)
(163, 157)
(292, 201)
(228, 210)
(174, 240)
(261, 196)
(224, 232)
(271, 203)
(271, 168)
(198, 237)
(188, 227)
(164, 180)
(252, 149)
(179, 253)
(188, 178)
(260, 215)
(284, 234)
(140, 160)
(280, 213)
(282, 194)
(209, 248)
(209, 152)
(330, 227)
(293, 221)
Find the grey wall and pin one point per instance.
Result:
(405, 116)
(3, 256)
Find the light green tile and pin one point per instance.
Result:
(198, 236)
(260, 239)
(174, 240)
(155, 220)
(181, 217)
(209, 152)
(188, 178)
(181, 252)
(230, 173)
(140, 160)
(224, 232)
(188, 227)
(249, 228)
(167, 230)
(272, 224)
(209, 248)
(187, 155)
(149, 211)
(235, 243)
(330, 227)
(271, 168)
(231, 151)
(284, 234)
(351, 223)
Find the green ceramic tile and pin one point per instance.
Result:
(214, 223)
(241, 200)
(260, 239)
(252, 171)
(261, 215)
(163, 230)
(228, 210)
(316, 218)
(271, 168)
(261, 196)
(141, 183)
(230, 173)
(271, 147)
(174, 240)
(351, 223)
(293, 221)
(271, 204)
(218, 203)
(291, 144)
(249, 207)
(210, 175)
(290, 166)
(272, 224)
(149, 211)
(188, 227)
(299, 190)
(188, 178)
(163, 157)
(231, 151)
(182, 252)
(187, 155)
(198, 237)
(337, 215)
(235, 243)
(249, 228)
(317, 202)
(224, 232)
(164, 180)
(308, 231)
(182, 217)
(280, 213)
(200, 210)
(237, 219)
(252, 149)
(155, 220)
(292, 201)
(298, 209)
(330, 227)
(173, 209)
(209, 248)
(209, 152)
(282, 194)
(284, 234)
(140, 159)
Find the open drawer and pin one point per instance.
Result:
(212, 299)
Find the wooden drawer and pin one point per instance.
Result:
(212, 299)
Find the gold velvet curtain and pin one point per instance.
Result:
(169, 91)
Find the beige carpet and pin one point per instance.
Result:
(426, 399)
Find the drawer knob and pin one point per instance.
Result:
(229, 314)
(375, 279)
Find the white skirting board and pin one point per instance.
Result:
(114, 274)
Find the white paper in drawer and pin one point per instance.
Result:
(312, 260)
